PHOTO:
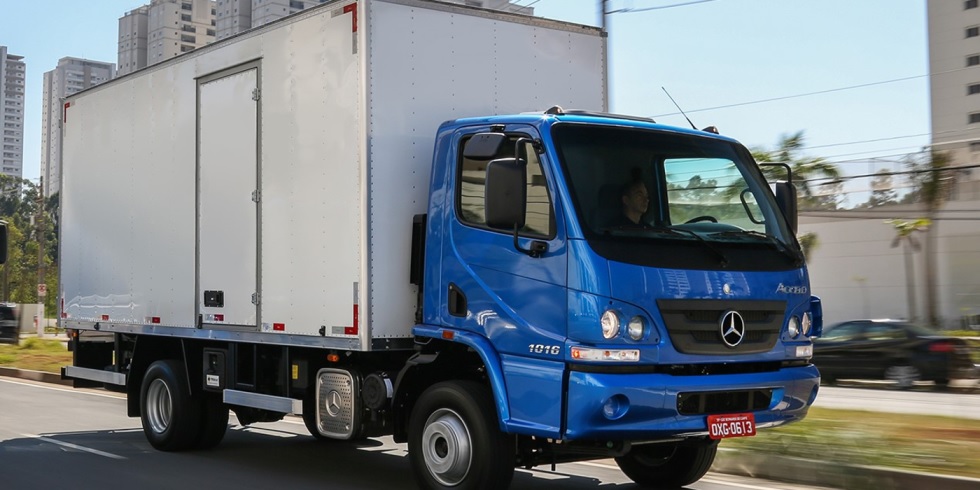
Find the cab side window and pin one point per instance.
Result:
(471, 191)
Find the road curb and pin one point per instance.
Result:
(41, 376)
(835, 475)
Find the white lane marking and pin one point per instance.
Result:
(66, 390)
(75, 446)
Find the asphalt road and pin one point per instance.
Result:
(884, 399)
(58, 437)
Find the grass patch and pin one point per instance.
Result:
(36, 355)
(913, 442)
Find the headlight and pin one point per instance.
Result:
(794, 327)
(610, 324)
(636, 327)
(807, 323)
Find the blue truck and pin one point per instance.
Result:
(267, 226)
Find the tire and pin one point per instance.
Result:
(668, 465)
(454, 440)
(904, 375)
(214, 423)
(309, 416)
(171, 418)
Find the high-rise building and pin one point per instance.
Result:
(70, 76)
(12, 75)
(164, 29)
(235, 16)
(954, 80)
(132, 40)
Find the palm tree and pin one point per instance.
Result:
(804, 168)
(932, 182)
(904, 231)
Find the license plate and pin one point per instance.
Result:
(731, 425)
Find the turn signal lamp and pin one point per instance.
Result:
(611, 355)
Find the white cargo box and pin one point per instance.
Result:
(262, 188)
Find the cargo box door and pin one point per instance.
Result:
(227, 217)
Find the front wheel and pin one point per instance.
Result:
(903, 375)
(668, 465)
(171, 418)
(454, 440)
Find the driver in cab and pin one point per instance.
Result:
(635, 201)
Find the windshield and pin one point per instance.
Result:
(648, 197)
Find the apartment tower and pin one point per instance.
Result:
(70, 76)
(12, 82)
(164, 29)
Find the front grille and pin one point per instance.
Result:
(694, 325)
(723, 402)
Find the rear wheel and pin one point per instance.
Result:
(668, 465)
(171, 418)
(214, 422)
(454, 440)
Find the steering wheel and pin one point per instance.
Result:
(702, 218)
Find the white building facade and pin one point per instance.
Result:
(70, 76)
(13, 72)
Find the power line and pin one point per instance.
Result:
(645, 9)
(865, 141)
(819, 92)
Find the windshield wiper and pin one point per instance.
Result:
(780, 246)
(723, 260)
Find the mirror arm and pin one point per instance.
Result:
(538, 248)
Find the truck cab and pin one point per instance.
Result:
(687, 325)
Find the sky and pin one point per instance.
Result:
(851, 74)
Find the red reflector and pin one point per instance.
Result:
(448, 334)
(279, 327)
(352, 330)
(942, 347)
(105, 318)
(155, 319)
(219, 318)
(333, 357)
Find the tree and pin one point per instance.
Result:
(809, 243)
(904, 234)
(932, 182)
(805, 169)
(19, 205)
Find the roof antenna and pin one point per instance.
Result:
(679, 108)
(709, 129)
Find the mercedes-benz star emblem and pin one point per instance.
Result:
(333, 403)
(732, 328)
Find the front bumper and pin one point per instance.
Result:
(639, 407)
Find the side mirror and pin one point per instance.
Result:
(3, 242)
(786, 200)
(506, 193)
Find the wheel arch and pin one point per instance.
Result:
(146, 351)
(466, 357)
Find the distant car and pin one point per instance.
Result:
(892, 350)
(9, 329)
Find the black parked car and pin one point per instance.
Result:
(9, 329)
(892, 350)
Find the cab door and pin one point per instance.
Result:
(493, 288)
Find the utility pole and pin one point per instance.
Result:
(41, 286)
(603, 24)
